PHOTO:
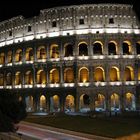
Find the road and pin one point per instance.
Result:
(31, 132)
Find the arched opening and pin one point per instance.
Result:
(2, 58)
(18, 55)
(100, 103)
(1, 79)
(130, 102)
(54, 51)
(83, 49)
(114, 74)
(112, 48)
(98, 48)
(9, 57)
(41, 77)
(129, 74)
(20, 98)
(68, 50)
(9, 79)
(18, 78)
(139, 73)
(54, 76)
(69, 104)
(83, 75)
(29, 103)
(138, 47)
(127, 48)
(28, 78)
(29, 54)
(68, 75)
(99, 74)
(115, 102)
(84, 104)
(43, 103)
(41, 53)
(55, 103)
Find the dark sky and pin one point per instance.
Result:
(30, 8)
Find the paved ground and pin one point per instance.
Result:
(30, 131)
(40, 132)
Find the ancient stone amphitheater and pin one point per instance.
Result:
(73, 58)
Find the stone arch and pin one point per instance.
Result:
(54, 76)
(130, 101)
(9, 57)
(83, 75)
(112, 48)
(83, 49)
(97, 48)
(29, 55)
(20, 98)
(18, 78)
(139, 73)
(115, 102)
(138, 47)
(28, 78)
(127, 48)
(41, 52)
(84, 103)
(55, 103)
(70, 103)
(54, 51)
(9, 78)
(29, 103)
(100, 103)
(99, 74)
(42, 103)
(114, 74)
(68, 50)
(2, 58)
(18, 55)
(129, 74)
(68, 75)
(1, 79)
(41, 77)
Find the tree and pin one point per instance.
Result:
(12, 111)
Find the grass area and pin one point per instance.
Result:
(104, 126)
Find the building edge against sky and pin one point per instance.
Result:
(73, 58)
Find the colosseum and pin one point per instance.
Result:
(73, 58)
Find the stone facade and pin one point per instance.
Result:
(74, 58)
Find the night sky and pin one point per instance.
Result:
(30, 8)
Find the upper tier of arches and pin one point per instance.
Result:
(70, 20)
(69, 50)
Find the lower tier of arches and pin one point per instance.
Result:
(82, 100)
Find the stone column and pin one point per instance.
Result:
(23, 55)
(92, 102)
(48, 103)
(35, 54)
(108, 102)
(122, 102)
(35, 103)
(13, 79)
(77, 103)
(23, 78)
(61, 75)
(91, 74)
(62, 103)
(13, 56)
(34, 75)
(4, 79)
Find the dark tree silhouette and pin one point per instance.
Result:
(12, 111)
